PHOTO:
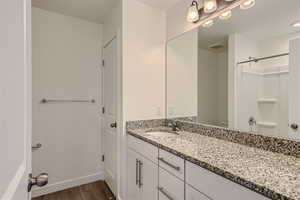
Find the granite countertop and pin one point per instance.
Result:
(273, 175)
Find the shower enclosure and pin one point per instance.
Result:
(265, 86)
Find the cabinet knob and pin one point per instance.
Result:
(294, 126)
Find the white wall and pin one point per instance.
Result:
(222, 88)
(144, 33)
(176, 19)
(207, 87)
(143, 70)
(182, 67)
(66, 65)
(212, 87)
(112, 23)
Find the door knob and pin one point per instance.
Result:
(40, 181)
(113, 125)
(294, 126)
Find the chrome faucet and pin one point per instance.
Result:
(174, 126)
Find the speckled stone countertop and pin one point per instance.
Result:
(274, 175)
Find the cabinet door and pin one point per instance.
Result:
(149, 180)
(132, 175)
(192, 194)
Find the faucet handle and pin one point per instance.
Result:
(172, 124)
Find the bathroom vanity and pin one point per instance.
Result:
(187, 165)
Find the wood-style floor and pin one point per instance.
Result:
(92, 191)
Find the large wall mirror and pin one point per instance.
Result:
(242, 73)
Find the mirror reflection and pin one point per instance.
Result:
(242, 73)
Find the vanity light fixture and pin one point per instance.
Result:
(193, 13)
(217, 8)
(208, 23)
(225, 15)
(247, 4)
(296, 24)
(210, 6)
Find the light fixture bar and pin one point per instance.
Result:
(222, 7)
(223, 10)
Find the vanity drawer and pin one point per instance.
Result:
(192, 194)
(170, 187)
(217, 187)
(171, 163)
(147, 150)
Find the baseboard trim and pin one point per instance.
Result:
(11, 190)
(119, 198)
(55, 187)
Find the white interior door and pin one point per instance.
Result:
(110, 114)
(294, 110)
(15, 99)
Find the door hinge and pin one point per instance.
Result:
(103, 110)
(103, 158)
(103, 63)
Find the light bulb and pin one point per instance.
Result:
(193, 13)
(296, 24)
(225, 15)
(247, 4)
(210, 6)
(208, 23)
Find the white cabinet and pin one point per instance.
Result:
(143, 148)
(132, 175)
(192, 194)
(157, 174)
(170, 187)
(217, 187)
(171, 163)
(149, 180)
(142, 181)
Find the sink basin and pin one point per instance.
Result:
(162, 133)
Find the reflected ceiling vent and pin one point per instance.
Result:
(216, 46)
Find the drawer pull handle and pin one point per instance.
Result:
(162, 190)
(169, 164)
(137, 171)
(140, 174)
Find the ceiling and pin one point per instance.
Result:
(91, 10)
(269, 18)
(161, 4)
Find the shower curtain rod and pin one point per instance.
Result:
(263, 58)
